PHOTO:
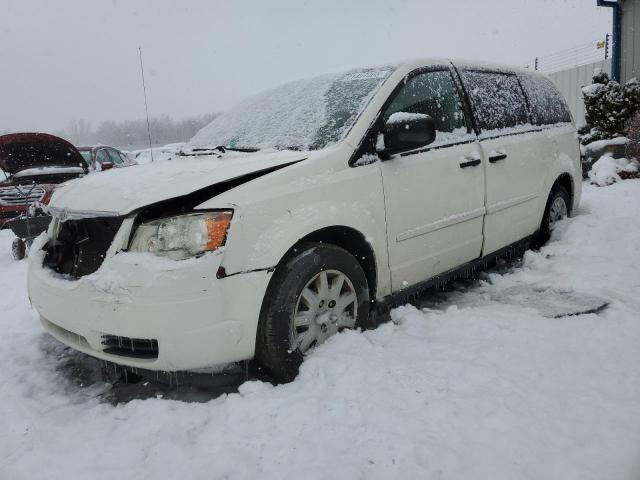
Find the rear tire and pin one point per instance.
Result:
(325, 289)
(558, 207)
(18, 249)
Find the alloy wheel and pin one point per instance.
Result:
(326, 305)
(557, 212)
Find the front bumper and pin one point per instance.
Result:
(197, 320)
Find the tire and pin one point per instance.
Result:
(558, 207)
(312, 269)
(18, 248)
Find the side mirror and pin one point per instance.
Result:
(405, 131)
(106, 165)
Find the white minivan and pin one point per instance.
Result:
(304, 210)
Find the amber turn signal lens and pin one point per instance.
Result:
(217, 226)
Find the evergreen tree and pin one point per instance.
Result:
(609, 107)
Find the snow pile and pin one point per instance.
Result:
(600, 145)
(607, 169)
(470, 388)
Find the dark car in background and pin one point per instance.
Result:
(31, 166)
(102, 157)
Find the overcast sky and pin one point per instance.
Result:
(63, 60)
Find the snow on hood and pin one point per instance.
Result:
(21, 151)
(123, 190)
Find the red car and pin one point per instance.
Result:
(31, 165)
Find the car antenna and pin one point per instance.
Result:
(146, 107)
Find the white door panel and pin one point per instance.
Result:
(435, 212)
(514, 185)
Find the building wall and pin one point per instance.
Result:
(630, 58)
(571, 81)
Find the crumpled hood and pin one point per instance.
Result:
(123, 190)
(22, 151)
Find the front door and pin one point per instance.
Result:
(434, 196)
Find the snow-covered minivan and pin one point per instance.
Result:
(302, 211)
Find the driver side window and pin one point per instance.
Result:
(433, 94)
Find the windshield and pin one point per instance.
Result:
(302, 115)
(86, 155)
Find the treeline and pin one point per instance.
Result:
(133, 133)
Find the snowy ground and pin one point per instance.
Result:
(476, 387)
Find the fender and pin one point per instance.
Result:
(567, 162)
(269, 216)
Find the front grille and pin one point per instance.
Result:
(81, 245)
(146, 348)
(21, 195)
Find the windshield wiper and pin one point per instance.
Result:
(224, 148)
(194, 152)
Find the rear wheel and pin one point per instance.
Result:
(558, 208)
(319, 291)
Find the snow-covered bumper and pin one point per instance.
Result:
(142, 311)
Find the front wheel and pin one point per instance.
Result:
(319, 291)
(18, 249)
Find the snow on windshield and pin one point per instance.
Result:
(302, 115)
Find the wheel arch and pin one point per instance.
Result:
(565, 180)
(350, 239)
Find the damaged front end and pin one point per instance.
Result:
(142, 278)
(77, 247)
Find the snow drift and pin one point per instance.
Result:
(469, 388)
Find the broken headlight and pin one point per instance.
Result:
(182, 236)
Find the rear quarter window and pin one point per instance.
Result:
(547, 104)
(497, 99)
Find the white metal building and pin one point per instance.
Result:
(571, 81)
(629, 39)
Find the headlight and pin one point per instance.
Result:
(182, 236)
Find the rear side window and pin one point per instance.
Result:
(497, 99)
(547, 104)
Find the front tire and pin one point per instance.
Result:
(319, 290)
(18, 249)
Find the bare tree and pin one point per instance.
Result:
(133, 133)
(77, 130)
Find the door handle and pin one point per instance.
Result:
(470, 162)
(497, 157)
